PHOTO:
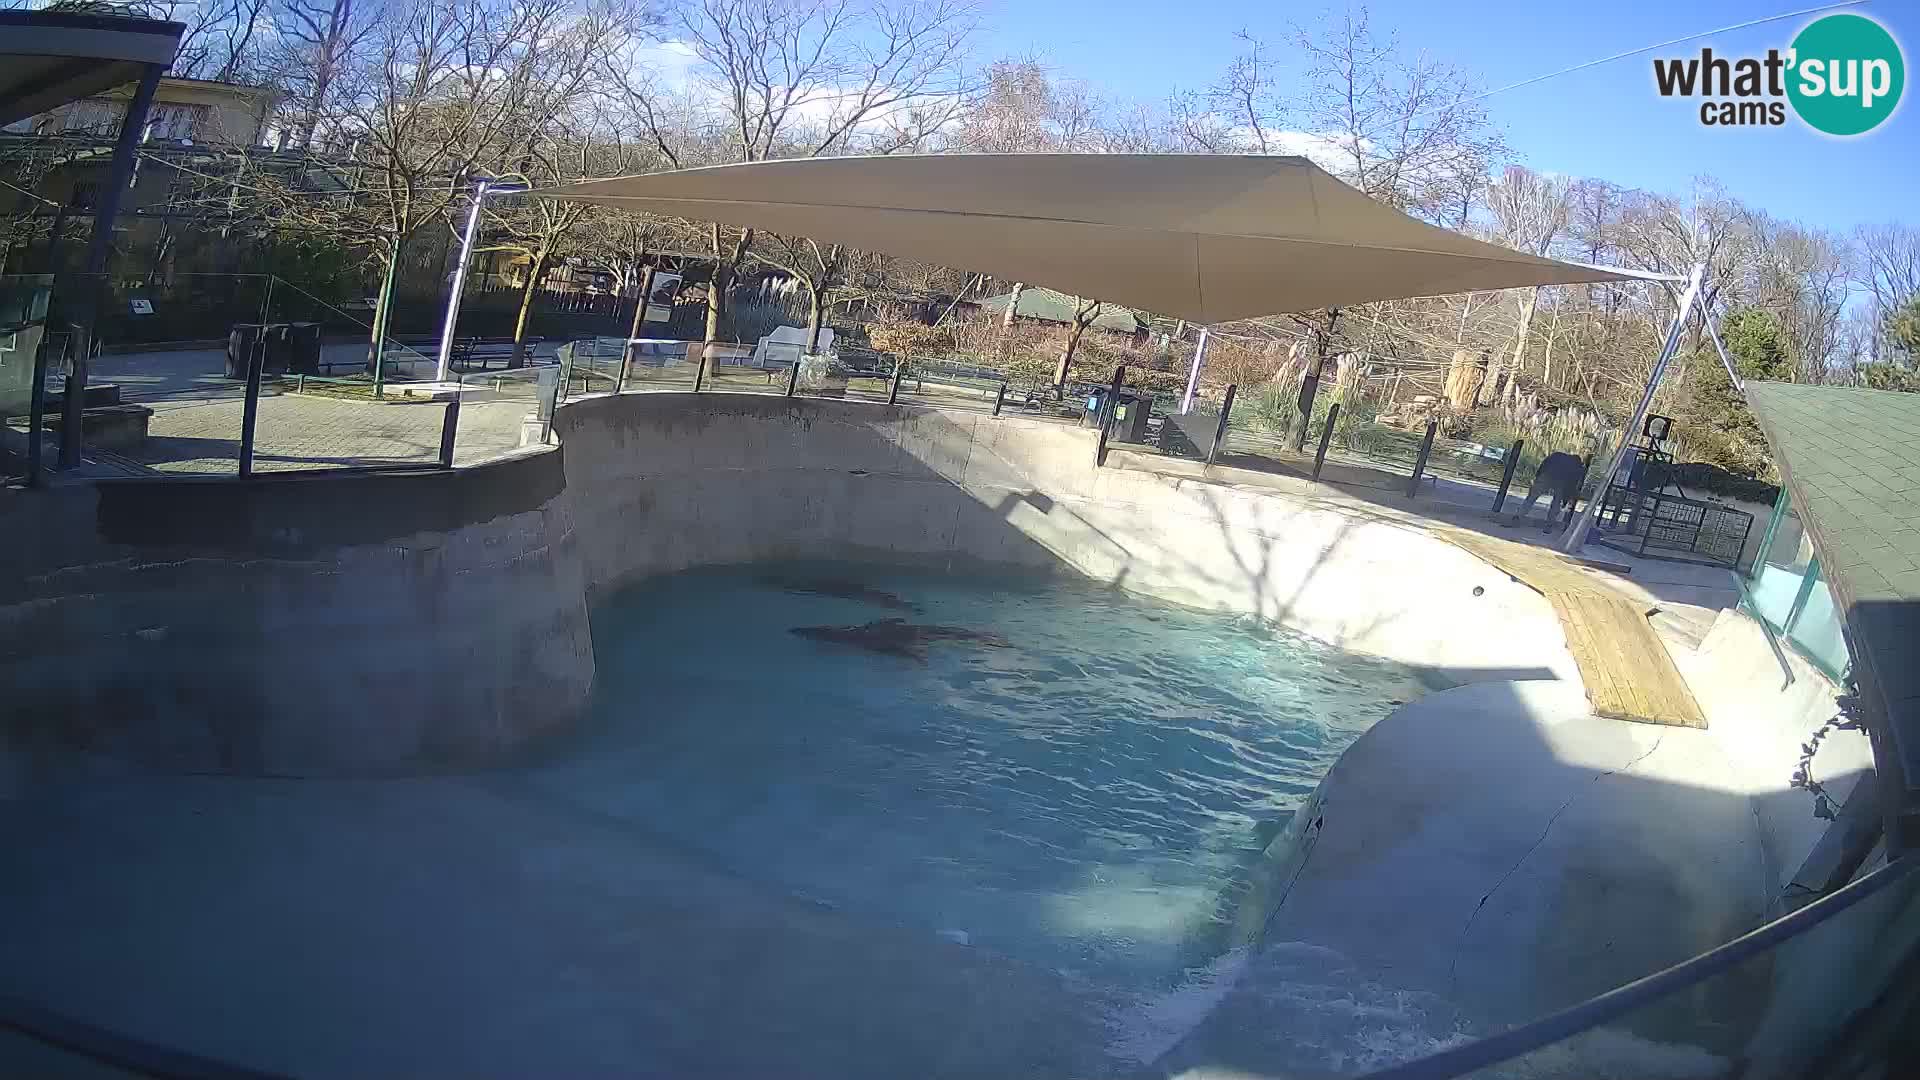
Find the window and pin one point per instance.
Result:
(176, 123)
(94, 116)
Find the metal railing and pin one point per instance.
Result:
(1618, 1002)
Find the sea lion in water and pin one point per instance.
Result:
(897, 637)
(842, 589)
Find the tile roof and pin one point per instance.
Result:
(1851, 459)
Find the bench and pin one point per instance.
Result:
(483, 351)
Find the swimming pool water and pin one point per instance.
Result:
(1092, 796)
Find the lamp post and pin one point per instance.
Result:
(481, 190)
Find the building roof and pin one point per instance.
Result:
(48, 58)
(1207, 238)
(1051, 306)
(1851, 460)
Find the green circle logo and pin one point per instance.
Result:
(1847, 74)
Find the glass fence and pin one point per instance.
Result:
(1789, 593)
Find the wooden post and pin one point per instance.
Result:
(1326, 436)
(1000, 398)
(1220, 429)
(1506, 474)
(793, 378)
(1107, 409)
(700, 370)
(1420, 463)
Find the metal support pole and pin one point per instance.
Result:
(480, 191)
(37, 412)
(1000, 399)
(700, 370)
(1326, 436)
(1576, 535)
(1193, 373)
(1107, 409)
(1506, 474)
(449, 429)
(133, 130)
(250, 409)
(893, 387)
(1420, 463)
(793, 378)
(1220, 429)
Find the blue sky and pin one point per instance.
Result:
(1606, 122)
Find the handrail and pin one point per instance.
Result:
(1623, 999)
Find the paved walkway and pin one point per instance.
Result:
(197, 414)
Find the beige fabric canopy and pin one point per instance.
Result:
(1199, 237)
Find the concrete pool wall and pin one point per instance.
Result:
(317, 624)
(664, 482)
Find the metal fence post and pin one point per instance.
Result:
(1506, 474)
(1000, 398)
(250, 410)
(1580, 485)
(626, 363)
(1326, 436)
(1220, 429)
(1107, 410)
(449, 427)
(1420, 463)
(893, 387)
(700, 370)
(793, 378)
(37, 413)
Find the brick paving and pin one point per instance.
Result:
(197, 413)
(296, 431)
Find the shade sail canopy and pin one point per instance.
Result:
(1199, 237)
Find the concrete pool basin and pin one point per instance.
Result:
(357, 656)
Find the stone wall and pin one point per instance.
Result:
(305, 624)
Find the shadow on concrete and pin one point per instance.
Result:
(1464, 869)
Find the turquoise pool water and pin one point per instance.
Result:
(1089, 789)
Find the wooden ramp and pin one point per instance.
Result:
(1626, 668)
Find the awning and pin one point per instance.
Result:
(48, 58)
(1200, 237)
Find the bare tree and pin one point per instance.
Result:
(1531, 211)
(1405, 130)
(805, 78)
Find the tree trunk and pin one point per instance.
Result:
(640, 309)
(1528, 304)
(534, 273)
(1013, 301)
(1465, 377)
(717, 300)
(816, 315)
(1066, 355)
(377, 335)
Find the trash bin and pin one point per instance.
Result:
(303, 348)
(1131, 409)
(275, 340)
(242, 340)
